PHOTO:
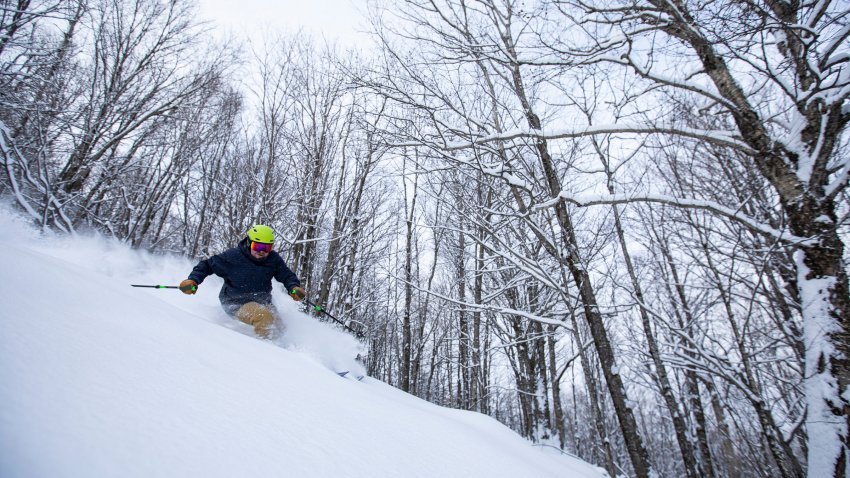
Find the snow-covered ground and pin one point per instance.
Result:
(99, 379)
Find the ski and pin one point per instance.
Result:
(344, 374)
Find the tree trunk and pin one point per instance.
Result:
(558, 424)
(733, 465)
(463, 342)
(610, 370)
(406, 326)
(593, 398)
(692, 466)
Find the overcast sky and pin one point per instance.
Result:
(333, 19)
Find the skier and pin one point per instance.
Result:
(247, 270)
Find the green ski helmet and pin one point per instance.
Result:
(261, 233)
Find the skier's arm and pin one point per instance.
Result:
(202, 270)
(285, 275)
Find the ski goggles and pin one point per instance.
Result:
(261, 247)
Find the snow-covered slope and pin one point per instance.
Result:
(98, 379)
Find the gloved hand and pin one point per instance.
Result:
(297, 293)
(188, 286)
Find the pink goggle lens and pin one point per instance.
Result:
(261, 247)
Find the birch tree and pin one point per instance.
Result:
(776, 72)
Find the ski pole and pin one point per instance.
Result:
(156, 286)
(319, 308)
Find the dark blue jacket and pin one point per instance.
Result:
(246, 279)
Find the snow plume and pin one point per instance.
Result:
(315, 338)
(323, 342)
(98, 379)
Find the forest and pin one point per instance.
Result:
(617, 226)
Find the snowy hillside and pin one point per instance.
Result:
(99, 379)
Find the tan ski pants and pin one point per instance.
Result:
(259, 316)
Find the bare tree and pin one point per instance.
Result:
(775, 71)
(486, 36)
(117, 81)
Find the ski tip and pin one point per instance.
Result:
(342, 374)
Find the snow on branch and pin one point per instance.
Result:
(494, 309)
(718, 137)
(8, 155)
(585, 200)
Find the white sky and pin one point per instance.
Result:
(342, 20)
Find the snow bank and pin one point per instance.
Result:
(98, 379)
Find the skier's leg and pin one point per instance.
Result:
(259, 316)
